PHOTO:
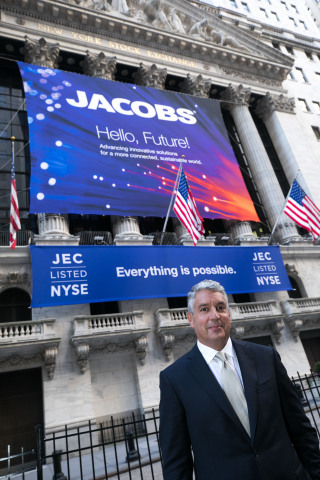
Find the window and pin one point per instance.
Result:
(15, 305)
(276, 45)
(317, 76)
(290, 76)
(293, 22)
(274, 16)
(303, 105)
(300, 75)
(11, 101)
(302, 24)
(316, 131)
(285, 5)
(308, 54)
(264, 13)
(289, 50)
(245, 6)
(316, 106)
(233, 3)
(294, 8)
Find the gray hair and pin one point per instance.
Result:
(204, 285)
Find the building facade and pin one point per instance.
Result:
(261, 60)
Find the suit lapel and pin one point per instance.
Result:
(205, 378)
(249, 376)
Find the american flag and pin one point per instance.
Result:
(301, 209)
(14, 207)
(186, 210)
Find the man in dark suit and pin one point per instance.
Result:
(200, 432)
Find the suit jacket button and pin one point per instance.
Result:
(255, 453)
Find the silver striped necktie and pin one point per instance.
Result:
(232, 387)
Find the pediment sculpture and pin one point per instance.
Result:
(164, 16)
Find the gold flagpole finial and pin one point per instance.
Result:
(13, 138)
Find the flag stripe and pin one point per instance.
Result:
(301, 209)
(14, 209)
(186, 210)
(185, 216)
(186, 219)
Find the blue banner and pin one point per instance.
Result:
(87, 274)
(111, 148)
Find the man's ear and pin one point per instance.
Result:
(190, 318)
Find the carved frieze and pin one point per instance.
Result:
(249, 329)
(21, 361)
(47, 357)
(166, 30)
(249, 75)
(83, 350)
(14, 278)
(297, 325)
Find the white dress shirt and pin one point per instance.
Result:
(209, 353)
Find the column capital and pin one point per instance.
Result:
(236, 96)
(99, 65)
(151, 76)
(198, 86)
(40, 52)
(271, 103)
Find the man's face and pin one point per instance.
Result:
(211, 319)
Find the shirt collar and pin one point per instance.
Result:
(209, 353)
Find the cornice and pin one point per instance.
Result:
(300, 250)
(248, 58)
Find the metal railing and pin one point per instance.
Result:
(164, 238)
(117, 449)
(12, 465)
(120, 448)
(95, 238)
(308, 389)
(24, 237)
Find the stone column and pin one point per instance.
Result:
(237, 101)
(182, 233)
(241, 232)
(51, 226)
(201, 87)
(125, 229)
(267, 109)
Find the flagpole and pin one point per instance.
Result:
(282, 209)
(171, 200)
(12, 245)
